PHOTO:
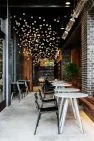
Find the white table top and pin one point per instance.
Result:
(60, 81)
(23, 80)
(17, 82)
(61, 84)
(68, 90)
(71, 95)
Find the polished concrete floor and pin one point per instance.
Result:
(17, 123)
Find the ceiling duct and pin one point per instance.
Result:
(79, 8)
(70, 24)
(76, 13)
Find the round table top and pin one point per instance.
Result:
(67, 90)
(71, 95)
(24, 80)
(17, 82)
(60, 81)
(61, 84)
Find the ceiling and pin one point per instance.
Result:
(74, 41)
(39, 24)
(35, 3)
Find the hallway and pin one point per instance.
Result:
(17, 123)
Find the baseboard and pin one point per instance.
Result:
(2, 105)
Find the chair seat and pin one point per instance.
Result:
(48, 92)
(48, 109)
(48, 100)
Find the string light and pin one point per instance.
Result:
(36, 35)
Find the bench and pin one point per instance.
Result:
(88, 105)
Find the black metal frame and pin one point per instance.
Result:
(42, 109)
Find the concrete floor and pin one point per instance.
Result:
(17, 123)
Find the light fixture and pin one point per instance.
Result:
(79, 8)
(70, 24)
(62, 27)
(76, 13)
(67, 3)
(65, 34)
(24, 14)
(72, 19)
(29, 35)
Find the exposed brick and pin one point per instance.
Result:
(87, 51)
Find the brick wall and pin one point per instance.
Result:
(87, 49)
(90, 52)
(84, 51)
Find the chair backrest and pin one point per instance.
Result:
(14, 88)
(22, 85)
(47, 86)
(42, 94)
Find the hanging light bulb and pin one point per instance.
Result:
(62, 26)
(68, 3)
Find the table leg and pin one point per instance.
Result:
(61, 106)
(72, 104)
(63, 116)
(78, 113)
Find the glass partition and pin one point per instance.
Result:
(1, 71)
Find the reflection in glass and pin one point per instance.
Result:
(1, 70)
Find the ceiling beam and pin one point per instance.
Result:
(36, 6)
(73, 34)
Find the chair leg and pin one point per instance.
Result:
(19, 96)
(12, 96)
(58, 122)
(26, 91)
(24, 94)
(39, 116)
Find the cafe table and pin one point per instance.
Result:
(66, 96)
(61, 100)
(61, 84)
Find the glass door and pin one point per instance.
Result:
(1, 71)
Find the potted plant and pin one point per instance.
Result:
(71, 72)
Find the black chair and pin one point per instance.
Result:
(46, 100)
(49, 91)
(48, 87)
(24, 87)
(44, 110)
(15, 90)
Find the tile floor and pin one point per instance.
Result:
(17, 123)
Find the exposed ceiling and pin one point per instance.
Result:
(39, 24)
(35, 3)
(74, 41)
